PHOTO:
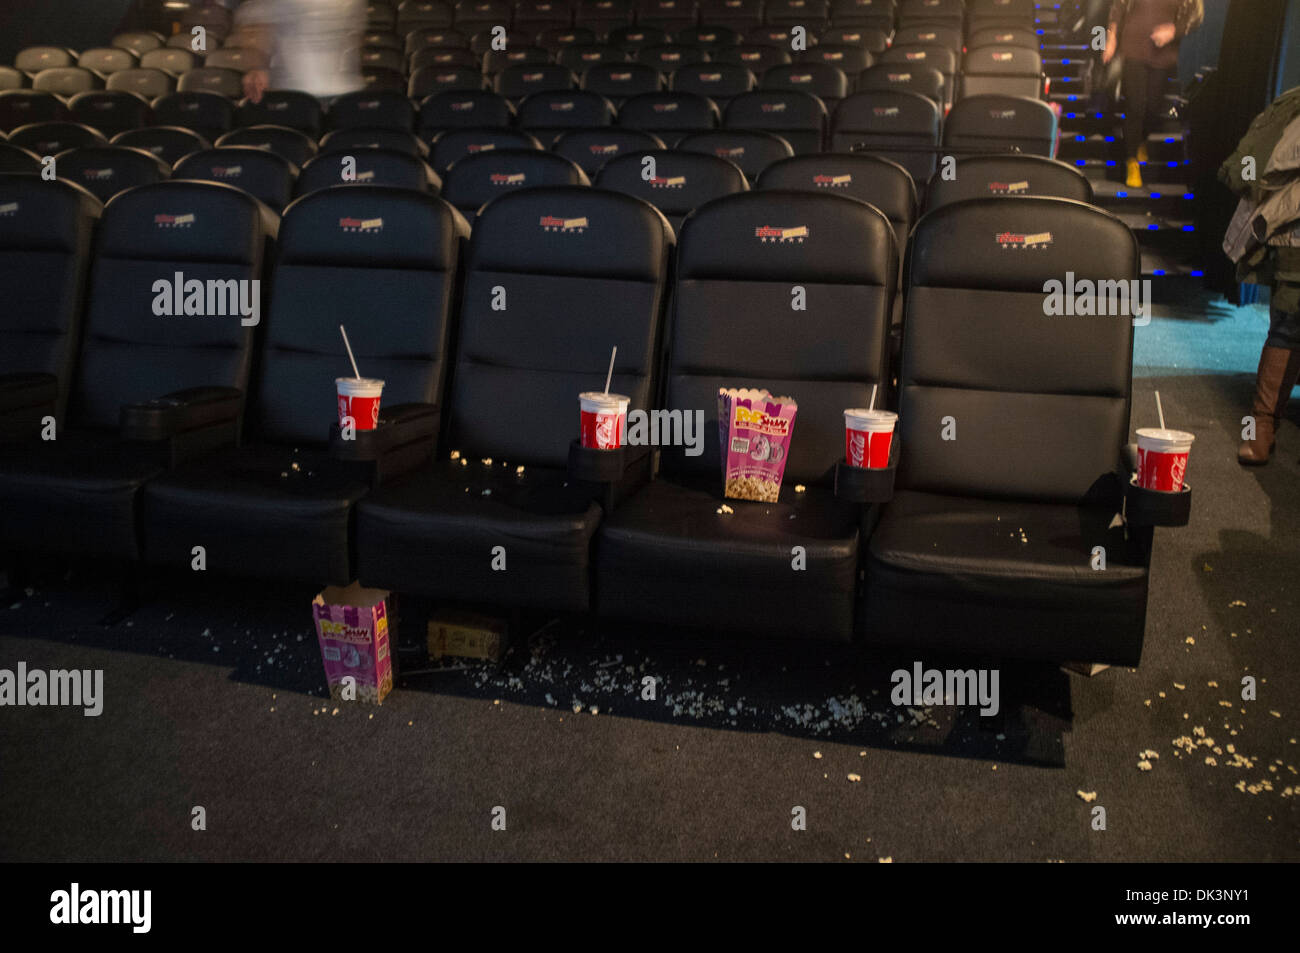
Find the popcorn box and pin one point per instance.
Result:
(467, 635)
(352, 629)
(755, 428)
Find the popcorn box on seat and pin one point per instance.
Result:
(352, 629)
(755, 428)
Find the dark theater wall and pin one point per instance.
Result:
(75, 23)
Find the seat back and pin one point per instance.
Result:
(1005, 70)
(11, 78)
(875, 14)
(582, 58)
(381, 261)
(413, 14)
(667, 57)
(533, 16)
(590, 149)
(459, 110)
(917, 56)
(860, 37)
(267, 177)
(479, 179)
(66, 81)
(993, 123)
(170, 60)
(1003, 36)
(493, 61)
(457, 56)
(456, 144)
(739, 15)
(946, 12)
(797, 117)
(368, 167)
(109, 111)
(883, 119)
(168, 143)
(428, 80)
(721, 82)
(212, 79)
(755, 57)
(894, 77)
(682, 181)
(812, 15)
(554, 39)
(669, 115)
(709, 36)
(207, 114)
(45, 234)
(20, 107)
(982, 176)
(138, 41)
(583, 271)
(284, 107)
(17, 160)
(359, 137)
(632, 39)
(474, 15)
(209, 234)
(752, 151)
(622, 81)
(435, 36)
(850, 60)
(33, 59)
(930, 34)
(827, 83)
(603, 15)
(523, 79)
(547, 115)
(1039, 404)
(50, 138)
(107, 170)
(739, 260)
(380, 109)
(668, 15)
(980, 14)
(148, 83)
(297, 147)
(107, 59)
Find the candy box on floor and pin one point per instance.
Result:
(467, 635)
(755, 428)
(352, 629)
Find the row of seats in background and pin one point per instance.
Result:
(394, 142)
(485, 346)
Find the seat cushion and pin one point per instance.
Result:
(667, 555)
(255, 514)
(1006, 578)
(76, 494)
(434, 534)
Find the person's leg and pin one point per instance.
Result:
(1279, 368)
(1154, 114)
(1134, 77)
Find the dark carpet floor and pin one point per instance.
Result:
(214, 697)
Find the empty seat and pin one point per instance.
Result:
(66, 81)
(630, 39)
(945, 12)
(290, 144)
(534, 16)
(386, 110)
(455, 144)
(669, 556)
(752, 151)
(219, 80)
(983, 14)
(718, 81)
(447, 56)
(681, 183)
(474, 15)
(348, 140)
(812, 15)
(149, 83)
(138, 41)
(621, 81)
(485, 41)
(930, 34)
(428, 80)
(755, 57)
(558, 38)
(1003, 70)
(1003, 36)
(207, 114)
(982, 176)
(924, 80)
(859, 37)
(378, 79)
(827, 83)
(32, 59)
(168, 143)
(902, 127)
(107, 59)
(455, 110)
(381, 16)
(51, 138)
(384, 57)
(739, 15)
(797, 117)
(582, 58)
(478, 179)
(109, 111)
(412, 14)
(709, 37)
(590, 149)
(603, 15)
(45, 234)
(20, 107)
(669, 115)
(850, 60)
(435, 36)
(978, 552)
(914, 57)
(778, 36)
(368, 167)
(494, 61)
(513, 399)
(667, 15)
(524, 79)
(106, 170)
(170, 60)
(383, 263)
(11, 78)
(1001, 124)
(283, 107)
(79, 494)
(267, 177)
(547, 115)
(16, 159)
(872, 14)
(670, 56)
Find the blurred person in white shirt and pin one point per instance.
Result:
(311, 45)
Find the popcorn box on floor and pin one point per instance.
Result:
(352, 629)
(755, 428)
(467, 635)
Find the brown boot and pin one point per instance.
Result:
(1278, 369)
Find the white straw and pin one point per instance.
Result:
(873, 397)
(350, 356)
(1160, 410)
(610, 375)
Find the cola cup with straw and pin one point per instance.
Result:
(1162, 455)
(602, 415)
(358, 396)
(868, 434)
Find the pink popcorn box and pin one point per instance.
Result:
(755, 428)
(352, 629)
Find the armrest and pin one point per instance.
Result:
(589, 465)
(867, 484)
(181, 412)
(405, 439)
(25, 400)
(1143, 507)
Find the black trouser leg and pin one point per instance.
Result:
(1135, 77)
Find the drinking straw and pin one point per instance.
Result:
(610, 374)
(1160, 410)
(351, 358)
(872, 405)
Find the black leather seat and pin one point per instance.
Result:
(669, 115)
(828, 83)
(448, 56)
(895, 77)
(751, 151)
(721, 82)
(666, 57)
(980, 176)
(218, 80)
(382, 262)
(708, 36)
(478, 179)
(66, 81)
(582, 58)
(207, 114)
(148, 83)
(549, 115)
(622, 81)
(290, 144)
(556, 38)
(11, 78)
(474, 15)
(874, 14)
(668, 555)
(17, 160)
(168, 143)
(21, 107)
(51, 138)
(756, 57)
(922, 55)
(79, 493)
(514, 397)
(812, 15)
(987, 546)
(380, 109)
(683, 181)
(461, 110)
(669, 15)
(368, 167)
(797, 117)
(170, 60)
(105, 171)
(428, 80)
(945, 12)
(32, 59)
(523, 79)
(739, 15)
(267, 177)
(872, 40)
(138, 41)
(45, 233)
(283, 107)
(109, 111)
(1003, 70)
(361, 137)
(603, 16)
(848, 58)
(107, 59)
(993, 123)
(414, 14)
(455, 144)
(882, 120)
(1003, 14)
(590, 149)
(1003, 36)
(534, 16)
